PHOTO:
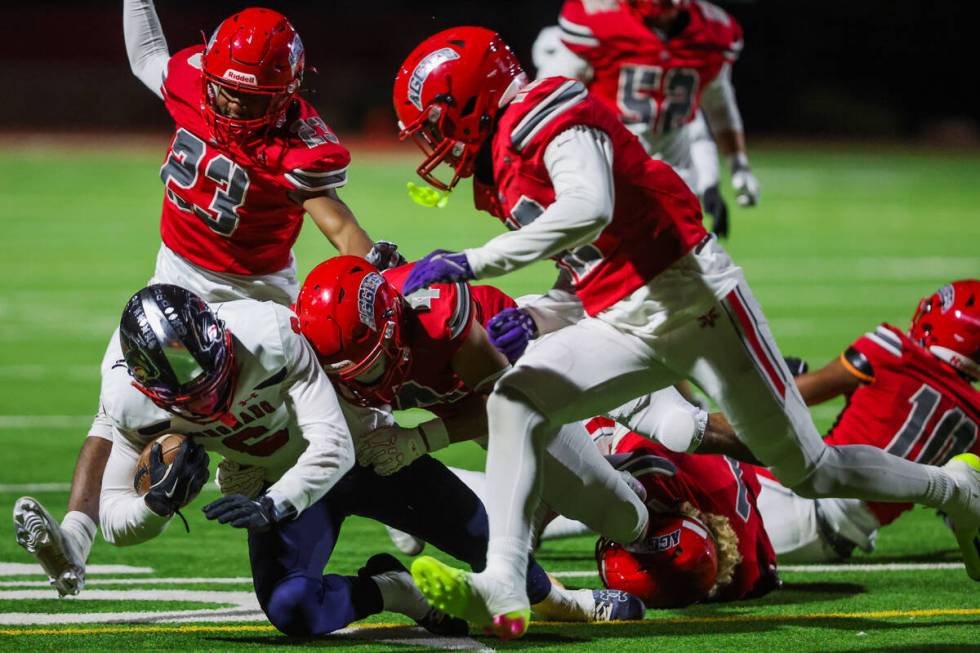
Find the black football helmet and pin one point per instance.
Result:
(179, 354)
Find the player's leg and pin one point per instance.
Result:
(664, 416)
(62, 551)
(554, 383)
(736, 362)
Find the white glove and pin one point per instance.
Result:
(391, 448)
(746, 186)
(233, 478)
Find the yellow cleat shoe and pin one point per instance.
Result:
(965, 469)
(455, 592)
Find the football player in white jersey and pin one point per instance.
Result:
(241, 382)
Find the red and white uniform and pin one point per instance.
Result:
(227, 207)
(438, 324)
(655, 221)
(911, 404)
(712, 484)
(655, 82)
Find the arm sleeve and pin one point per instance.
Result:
(553, 59)
(329, 453)
(145, 43)
(719, 105)
(123, 515)
(579, 161)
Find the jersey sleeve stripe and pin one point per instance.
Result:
(574, 29)
(884, 344)
(575, 39)
(309, 180)
(888, 336)
(567, 95)
(461, 315)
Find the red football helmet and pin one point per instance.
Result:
(947, 323)
(675, 565)
(352, 317)
(657, 8)
(447, 94)
(254, 54)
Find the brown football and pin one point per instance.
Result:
(170, 443)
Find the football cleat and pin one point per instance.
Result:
(41, 536)
(458, 593)
(431, 618)
(589, 606)
(965, 470)
(407, 544)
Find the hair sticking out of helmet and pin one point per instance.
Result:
(178, 352)
(352, 317)
(447, 95)
(685, 558)
(252, 70)
(947, 323)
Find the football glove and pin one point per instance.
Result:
(743, 181)
(439, 266)
(391, 448)
(174, 486)
(384, 255)
(241, 512)
(714, 205)
(510, 331)
(233, 478)
(797, 366)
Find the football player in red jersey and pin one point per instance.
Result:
(721, 495)
(430, 350)
(665, 67)
(910, 394)
(248, 158)
(664, 302)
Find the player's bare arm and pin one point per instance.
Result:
(832, 380)
(336, 221)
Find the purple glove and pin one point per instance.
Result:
(439, 266)
(510, 330)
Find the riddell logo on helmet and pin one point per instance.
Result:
(947, 295)
(431, 61)
(240, 77)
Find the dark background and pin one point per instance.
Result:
(892, 70)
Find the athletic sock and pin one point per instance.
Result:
(79, 531)
(399, 594)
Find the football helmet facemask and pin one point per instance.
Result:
(448, 92)
(947, 323)
(256, 57)
(178, 352)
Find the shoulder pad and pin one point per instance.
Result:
(887, 340)
(546, 101)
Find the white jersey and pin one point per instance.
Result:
(287, 421)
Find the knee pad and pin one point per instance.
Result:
(288, 606)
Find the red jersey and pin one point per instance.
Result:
(656, 219)
(441, 318)
(227, 206)
(650, 79)
(911, 404)
(712, 484)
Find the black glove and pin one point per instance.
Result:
(714, 205)
(797, 366)
(241, 512)
(173, 487)
(384, 254)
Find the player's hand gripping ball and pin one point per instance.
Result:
(170, 473)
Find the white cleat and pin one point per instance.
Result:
(41, 536)
(407, 544)
(965, 472)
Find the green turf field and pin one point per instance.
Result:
(842, 241)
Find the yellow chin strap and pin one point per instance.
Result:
(427, 196)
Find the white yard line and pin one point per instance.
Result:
(24, 569)
(34, 488)
(91, 582)
(44, 421)
(820, 569)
